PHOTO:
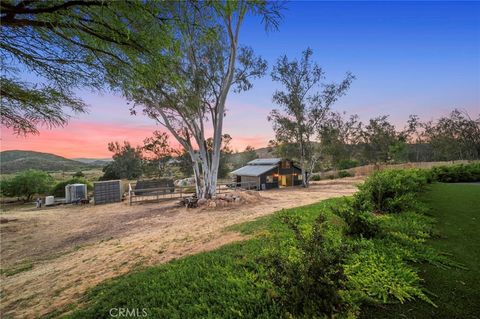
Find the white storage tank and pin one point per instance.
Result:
(49, 200)
(75, 192)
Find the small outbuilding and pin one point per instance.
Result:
(268, 173)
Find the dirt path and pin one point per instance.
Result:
(72, 249)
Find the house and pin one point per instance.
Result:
(267, 173)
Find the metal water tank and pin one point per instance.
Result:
(75, 192)
(49, 200)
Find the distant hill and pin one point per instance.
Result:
(93, 161)
(17, 161)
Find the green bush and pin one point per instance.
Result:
(343, 174)
(376, 274)
(315, 177)
(26, 184)
(391, 191)
(457, 173)
(59, 189)
(308, 276)
(359, 224)
(78, 174)
(345, 164)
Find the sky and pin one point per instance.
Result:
(408, 57)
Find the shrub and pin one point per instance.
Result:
(376, 273)
(391, 191)
(308, 275)
(315, 177)
(348, 163)
(457, 173)
(363, 224)
(343, 174)
(359, 224)
(331, 176)
(78, 174)
(26, 184)
(59, 189)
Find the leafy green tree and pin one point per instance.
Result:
(187, 95)
(456, 136)
(27, 184)
(303, 105)
(78, 174)
(69, 44)
(247, 155)
(127, 162)
(339, 138)
(156, 153)
(184, 163)
(380, 140)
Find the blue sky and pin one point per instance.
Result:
(409, 58)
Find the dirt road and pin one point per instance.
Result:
(66, 250)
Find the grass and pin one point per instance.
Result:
(455, 291)
(18, 269)
(225, 283)
(230, 282)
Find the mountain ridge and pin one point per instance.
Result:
(13, 161)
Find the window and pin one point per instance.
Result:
(300, 177)
(269, 178)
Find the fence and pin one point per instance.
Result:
(157, 194)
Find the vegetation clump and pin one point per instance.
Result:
(391, 191)
(26, 184)
(343, 174)
(457, 173)
(335, 258)
(308, 275)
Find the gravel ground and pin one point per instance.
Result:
(65, 250)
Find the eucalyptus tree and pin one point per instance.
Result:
(304, 105)
(456, 136)
(50, 48)
(381, 141)
(339, 137)
(188, 94)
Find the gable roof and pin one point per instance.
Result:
(253, 170)
(265, 161)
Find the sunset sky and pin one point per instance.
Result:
(409, 58)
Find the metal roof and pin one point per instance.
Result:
(265, 161)
(253, 170)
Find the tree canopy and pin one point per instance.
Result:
(304, 105)
(127, 162)
(188, 95)
(26, 184)
(69, 44)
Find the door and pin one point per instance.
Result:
(286, 180)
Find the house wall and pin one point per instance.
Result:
(251, 179)
(274, 176)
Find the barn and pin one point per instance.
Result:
(268, 173)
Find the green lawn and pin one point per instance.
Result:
(231, 282)
(456, 207)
